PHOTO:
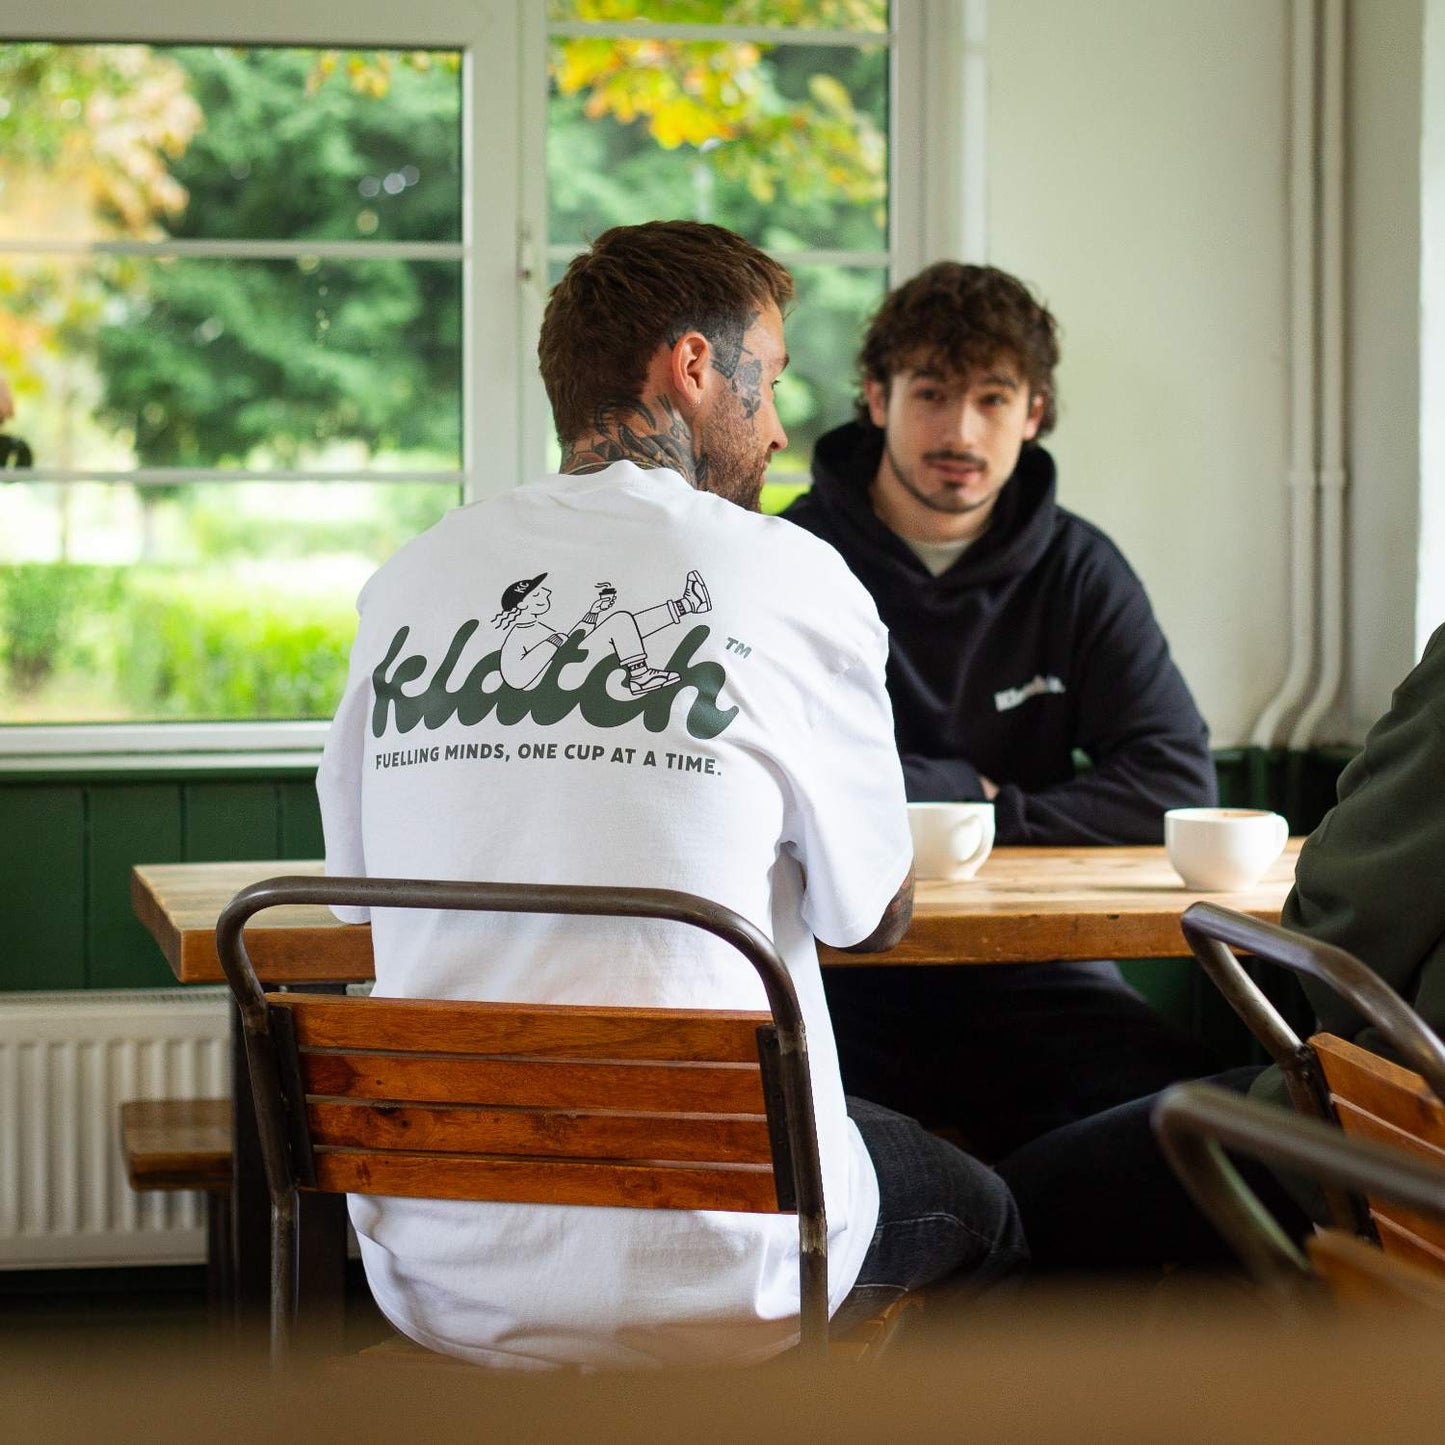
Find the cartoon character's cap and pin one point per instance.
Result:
(512, 597)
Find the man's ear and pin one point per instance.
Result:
(1038, 404)
(875, 393)
(689, 363)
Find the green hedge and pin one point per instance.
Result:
(230, 651)
(53, 618)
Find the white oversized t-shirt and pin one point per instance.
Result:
(765, 777)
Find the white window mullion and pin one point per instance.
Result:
(941, 133)
(719, 34)
(173, 476)
(492, 420)
(534, 252)
(244, 250)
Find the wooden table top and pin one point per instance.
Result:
(1027, 905)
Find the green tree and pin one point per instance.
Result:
(785, 144)
(205, 361)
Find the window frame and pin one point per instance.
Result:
(937, 84)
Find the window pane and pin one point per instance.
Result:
(824, 331)
(786, 145)
(224, 143)
(122, 361)
(218, 601)
(812, 14)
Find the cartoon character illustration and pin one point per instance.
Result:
(531, 644)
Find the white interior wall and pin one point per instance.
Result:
(1137, 178)
(1430, 594)
(1383, 237)
(1137, 175)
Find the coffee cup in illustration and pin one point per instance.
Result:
(950, 840)
(1222, 850)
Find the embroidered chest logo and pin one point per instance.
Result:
(1011, 697)
(521, 680)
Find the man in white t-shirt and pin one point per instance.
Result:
(762, 774)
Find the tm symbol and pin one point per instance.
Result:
(741, 648)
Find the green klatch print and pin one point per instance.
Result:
(532, 657)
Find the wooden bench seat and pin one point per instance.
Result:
(177, 1144)
(186, 1144)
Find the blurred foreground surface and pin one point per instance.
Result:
(1165, 1365)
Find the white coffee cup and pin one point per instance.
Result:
(1219, 850)
(950, 840)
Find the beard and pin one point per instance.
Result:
(730, 462)
(948, 500)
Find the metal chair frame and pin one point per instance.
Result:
(1214, 932)
(266, 1053)
(1197, 1122)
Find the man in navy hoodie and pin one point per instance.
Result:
(1025, 668)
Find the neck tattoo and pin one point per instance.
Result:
(649, 433)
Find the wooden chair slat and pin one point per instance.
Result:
(177, 1143)
(1366, 1124)
(744, 1188)
(1358, 1274)
(731, 1139)
(561, 1031)
(1406, 1245)
(1381, 1087)
(1363, 1125)
(679, 1088)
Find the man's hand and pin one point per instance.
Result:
(7, 401)
(990, 788)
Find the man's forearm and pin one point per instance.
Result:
(1120, 801)
(941, 780)
(894, 923)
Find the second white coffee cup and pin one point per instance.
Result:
(1221, 850)
(950, 840)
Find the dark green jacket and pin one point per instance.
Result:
(1371, 877)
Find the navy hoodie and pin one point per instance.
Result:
(1037, 644)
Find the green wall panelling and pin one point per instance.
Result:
(231, 820)
(1232, 769)
(1299, 785)
(42, 886)
(1219, 1026)
(129, 824)
(300, 821)
(1168, 983)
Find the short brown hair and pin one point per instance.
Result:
(637, 288)
(962, 319)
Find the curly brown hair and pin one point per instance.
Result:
(640, 287)
(962, 319)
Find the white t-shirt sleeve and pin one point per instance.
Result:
(338, 785)
(850, 826)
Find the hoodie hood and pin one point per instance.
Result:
(845, 461)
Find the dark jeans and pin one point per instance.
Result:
(1099, 1194)
(1003, 1053)
(944, 1219)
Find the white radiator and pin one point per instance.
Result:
(67, 1062)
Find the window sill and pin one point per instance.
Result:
(128, 749)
